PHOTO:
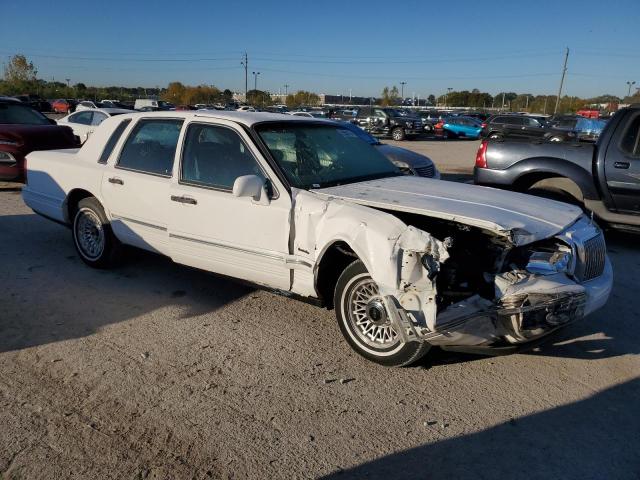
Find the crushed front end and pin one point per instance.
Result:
(486, 291)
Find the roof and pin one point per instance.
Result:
(245, 118)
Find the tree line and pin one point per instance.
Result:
(21, 77)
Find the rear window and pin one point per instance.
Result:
(14, 113)
(630, 143)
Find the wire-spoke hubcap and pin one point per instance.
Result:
(368, 315)
(89, 234)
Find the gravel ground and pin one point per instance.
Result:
(154, 370)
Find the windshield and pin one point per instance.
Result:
(315, 156)
(21, 114)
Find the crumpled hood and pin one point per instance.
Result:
(522, 218)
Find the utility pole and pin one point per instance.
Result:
(526, 107)
(502, 106)
(286, 89)
(446, 96)
(255, 80)
(245, 63)
(402, 84)
(544, 111)
(564, 71)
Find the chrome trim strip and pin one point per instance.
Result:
(144, 224)
(298, 262)
(228, 247)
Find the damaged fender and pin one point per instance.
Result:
(391, 251)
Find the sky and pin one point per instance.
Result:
(332, 47)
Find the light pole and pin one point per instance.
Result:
(402, 84)
(630, 84)
(286, 88)
(255, 80)
(446, 96)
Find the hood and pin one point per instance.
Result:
(38, 137)
(521, 218)
(398, 154)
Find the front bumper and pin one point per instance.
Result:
(544, 305)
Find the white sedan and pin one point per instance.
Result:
(84, 122)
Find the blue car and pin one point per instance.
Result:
(454, 127)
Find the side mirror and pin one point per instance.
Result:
(251, 186)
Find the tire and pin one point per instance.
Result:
(384, 348)
(556, 138)
(495, 136)
(398, 134)
(92, 235)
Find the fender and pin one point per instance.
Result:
(544, 167)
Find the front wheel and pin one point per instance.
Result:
(92, 235)
(555, 138)
(365, 323)
(397, 134)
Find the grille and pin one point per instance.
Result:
(595, 253)
(427, 171)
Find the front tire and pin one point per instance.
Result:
(364, 322)
(398, 134)
(92, 235)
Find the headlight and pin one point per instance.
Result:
(7, 158)
(549, 263)
(409, 124)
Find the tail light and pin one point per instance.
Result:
(483, 125)
(481, 155)
(439, 125)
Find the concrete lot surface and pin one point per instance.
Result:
(154, 370)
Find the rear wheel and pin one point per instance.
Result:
(364, 321)
(92, 235)
(556, 138)
(397, 134)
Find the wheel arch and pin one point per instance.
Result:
(332, 261)
(72, 200)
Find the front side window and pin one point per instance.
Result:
(215, 157)
(315, 156)
(151, 147)
(82, 118)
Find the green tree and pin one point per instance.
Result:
(302, 98)
(20, 75)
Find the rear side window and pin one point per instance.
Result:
(151, 147)
(113, 139)
(630, 143)
(82, 118)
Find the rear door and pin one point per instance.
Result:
(514, 126)
(622, 166)
(532, 127)
(135, 186)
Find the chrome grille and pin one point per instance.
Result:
(592, 259)
(427, 171)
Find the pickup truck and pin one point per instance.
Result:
(603, 178)
(386, 122)
(306, 208)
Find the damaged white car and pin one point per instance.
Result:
(304, 207)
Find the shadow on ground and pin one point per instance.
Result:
(596, 438)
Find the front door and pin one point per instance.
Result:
(622, 166)
(214, 230)
(136, 187)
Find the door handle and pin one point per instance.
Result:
(184, 199)
(621, 164)
(116, 181)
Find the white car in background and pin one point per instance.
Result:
(84, 122)
(245, 108)
(88, 105)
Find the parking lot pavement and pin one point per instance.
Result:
(454, 158)
(154, 370)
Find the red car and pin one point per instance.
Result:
(63, 106)
(23, 130)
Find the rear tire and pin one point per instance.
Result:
(92, 235)
(363, 321)
(398, 134)
(556, 138)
